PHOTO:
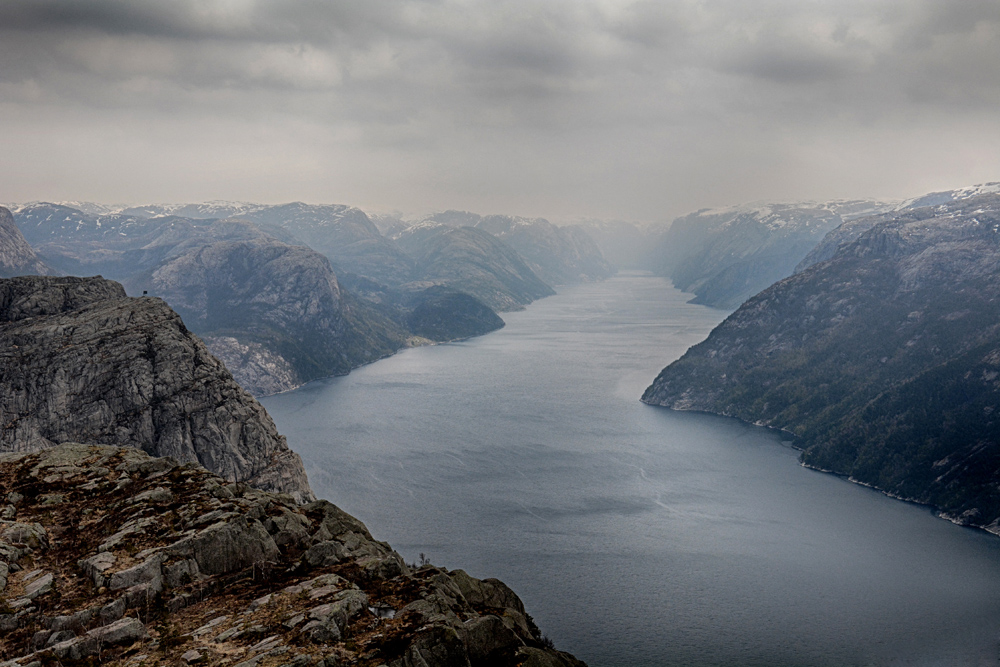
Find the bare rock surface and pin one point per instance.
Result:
(79, 360)
(17, 257)
(221, 573)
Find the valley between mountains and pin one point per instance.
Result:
(869, 330)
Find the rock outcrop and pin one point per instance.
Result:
(16, 256)
(79, 360)
(110, 556)
(884, 360)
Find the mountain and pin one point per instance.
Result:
(269, 307)
(205, 211)
(84, 362)
(342, 233)
(724, 256)
(120, 245)
(852, 229)
(558, 255)
(883, 360)
(109, 556)
(273, 312)
(16, 256)
(472, 261)
(442, 314)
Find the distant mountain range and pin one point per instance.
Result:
(264, 285)
(724, 256)
(17, 257)
(472, 261)
(558, 255)
(883, 359)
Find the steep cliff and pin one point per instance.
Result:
(79, 360)
(109, 556)
(273, 312)
(16, 256)
(884, 360)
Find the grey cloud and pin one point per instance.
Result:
(559, 103)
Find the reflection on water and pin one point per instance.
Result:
(637, 535)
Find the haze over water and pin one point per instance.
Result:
(636, 535)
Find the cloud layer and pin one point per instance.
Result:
(561, 108)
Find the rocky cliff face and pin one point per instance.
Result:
(82, 361)
(884, 360)
(16, 256)
(110, 556)
(273, 312)
(725, 256)
(472, 261)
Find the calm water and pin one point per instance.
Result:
(636, 535)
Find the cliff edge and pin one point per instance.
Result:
(110, 556)
(81, 361)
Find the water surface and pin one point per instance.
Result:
(636, 535)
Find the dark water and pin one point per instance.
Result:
(635, 535)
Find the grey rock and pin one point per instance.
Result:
(147, 571)
(486, 636)
(181, 573)
(17, 257)
(32, 535)
(39, 587)
(157, 496)
(329, 552)
(76, 622)
(228, 546)
(322, 632)
(60, 636)
(156, 387)
(113, 610)
(123, 631)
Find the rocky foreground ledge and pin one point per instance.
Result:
(111, 556)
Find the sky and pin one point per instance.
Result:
(563, 109)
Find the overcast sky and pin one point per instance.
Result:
(598, 108)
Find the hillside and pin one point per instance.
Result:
(270, 307)
(472, 261)
(724, 256)
(274, 313)
(558, 255)
(884, 360)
